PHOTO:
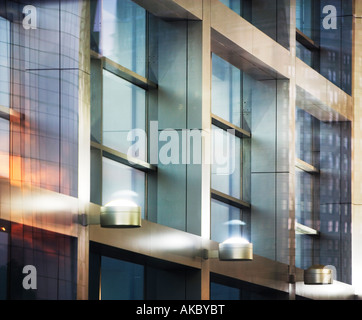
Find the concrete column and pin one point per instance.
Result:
(206, 125)
(292, 107)
(84, 150)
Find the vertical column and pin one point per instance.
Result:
(84, 150)
(357, 148)
(292, 107)
(206, 127)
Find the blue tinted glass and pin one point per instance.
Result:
(124, 106)
(122, 182)
(121, 280)
(225, 221)
(222, 292)
(4, 148)
(4, 63)
(234, 5)
(304, 17)
(226, 166)
(304, 54)
(123, 34)
(226, 91)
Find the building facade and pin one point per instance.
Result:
(219, 119)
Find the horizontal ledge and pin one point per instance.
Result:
(124, 73)
(10, 114)
(302, 229)
(306, 41)
(302, 165)
(123, 158)
(223, 124)
(222, 197)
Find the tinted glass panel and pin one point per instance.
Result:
(226, 91)
(121, 280)
(226, 168)
(124, 34)
(226, 222)
(123, 110)
(122, 182)
(4, 63)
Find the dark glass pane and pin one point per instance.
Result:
(121, 280)
(222, 292)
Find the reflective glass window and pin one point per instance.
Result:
(304, 54)
(226, 91)
(121, 280)
(226, 167)
(304, 16)
(123, 34)
(226, 221)
(234, 5)
(123, 110)
(122, 182)
(304, 198)
(223, 292)
(4, 148)
(4, 62)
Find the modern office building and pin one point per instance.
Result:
(214, 120)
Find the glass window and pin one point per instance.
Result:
(304, 136)
(124, 109)
(225, 221)
(4, 62)
(123, 34)
(4, 148)
(4, 256)
(222, 292)
(304, 17)
(226, 91)
(304, 198)
(226, 167)
(121, 280)
(122, 182)
(304, 54)
(233, 5)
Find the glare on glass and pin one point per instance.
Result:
(122, 182)
(225, 221)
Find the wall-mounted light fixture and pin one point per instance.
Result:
(318, 275)
(233, 249)
(120, 214)
(236, 249)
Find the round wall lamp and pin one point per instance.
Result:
(120, 214)
(318, 275)
(236, 249)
